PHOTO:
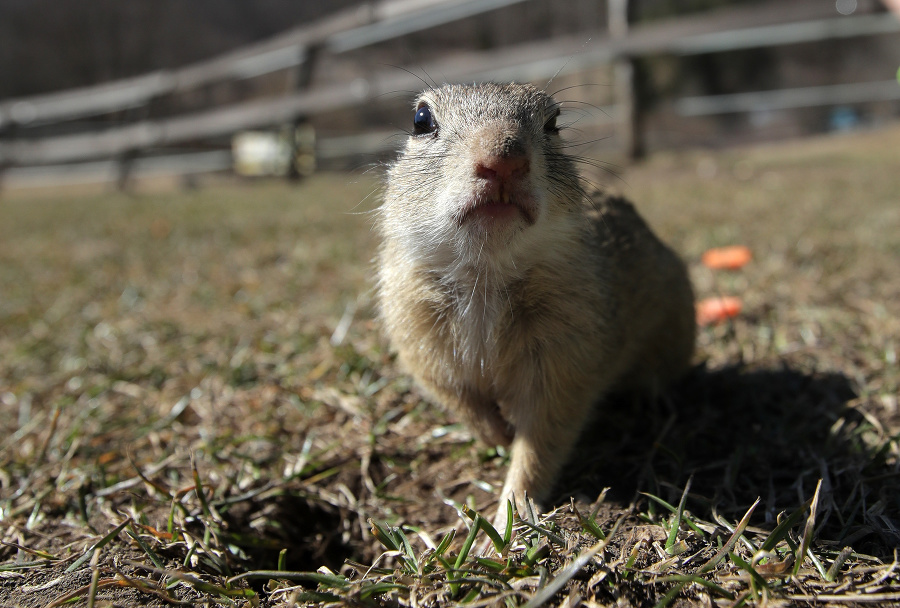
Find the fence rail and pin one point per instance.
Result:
(347, 30)
(782, 99)
(108, 171)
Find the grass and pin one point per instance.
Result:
(199, 409)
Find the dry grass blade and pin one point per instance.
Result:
(87, 589)
(806, 539)
(198, 489)
(199, 584)
(54, 422)
(150, 587)
(35, 552)
(883, 599)
(884, 573)
(95, 578)
(134, 481)
(835, 568)
(329, 580)
(726, 548)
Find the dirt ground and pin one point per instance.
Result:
(192, 387)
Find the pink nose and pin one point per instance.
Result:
(495, 168)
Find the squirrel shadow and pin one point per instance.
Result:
(743, 434)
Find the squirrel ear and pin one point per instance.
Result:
(423, 121)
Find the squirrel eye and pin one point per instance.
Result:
(423, 122)
(550, 125)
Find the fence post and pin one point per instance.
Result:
(126, 160)
(625, 83)
(124, 165)
(302, 133)
(7, 130)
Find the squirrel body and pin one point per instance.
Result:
(514, 296)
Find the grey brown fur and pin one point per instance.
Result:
(514, 297)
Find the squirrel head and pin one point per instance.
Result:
(482, 176)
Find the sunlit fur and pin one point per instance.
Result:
(521, 326)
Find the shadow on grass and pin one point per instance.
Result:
(741, 432)
(309, 531)
(745, 433)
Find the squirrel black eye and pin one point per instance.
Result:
(423, 122)
(550, 125)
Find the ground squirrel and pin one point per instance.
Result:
(514, 295)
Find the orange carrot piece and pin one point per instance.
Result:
(727, 258)
(715, 310)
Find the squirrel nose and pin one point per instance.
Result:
(502, 168)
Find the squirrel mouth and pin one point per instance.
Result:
(498, 209)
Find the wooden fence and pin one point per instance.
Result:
(741, 27)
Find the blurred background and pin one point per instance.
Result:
(111, 92)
